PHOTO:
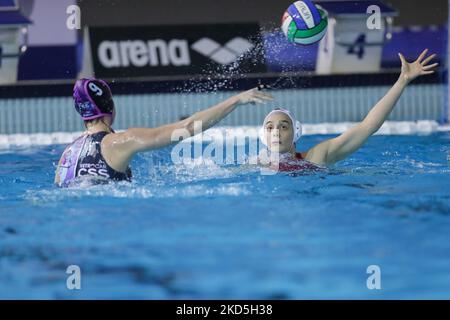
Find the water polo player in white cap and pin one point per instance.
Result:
(280, 131)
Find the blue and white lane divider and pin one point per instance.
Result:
(388, 128)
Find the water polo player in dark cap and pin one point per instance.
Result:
(105, 155)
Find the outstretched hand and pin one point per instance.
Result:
(254, 95)
(412, 70)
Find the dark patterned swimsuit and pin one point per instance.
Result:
(84, 158)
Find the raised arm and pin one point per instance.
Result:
(142, 139)
(336, 149)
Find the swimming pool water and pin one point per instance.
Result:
(212, 231)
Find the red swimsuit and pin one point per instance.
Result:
(299, 163)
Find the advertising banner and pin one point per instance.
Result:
(146, 51)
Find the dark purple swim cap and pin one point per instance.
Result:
(93, 98)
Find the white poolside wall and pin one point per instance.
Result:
(344, 104)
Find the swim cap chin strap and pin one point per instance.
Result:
(296, 125)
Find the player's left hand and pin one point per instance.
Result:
(412, 70)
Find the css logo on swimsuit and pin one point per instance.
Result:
(97, 170)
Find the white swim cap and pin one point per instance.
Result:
(296, 125)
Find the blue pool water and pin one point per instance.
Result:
(210, 231)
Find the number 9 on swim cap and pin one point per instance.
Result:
(304, 23)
